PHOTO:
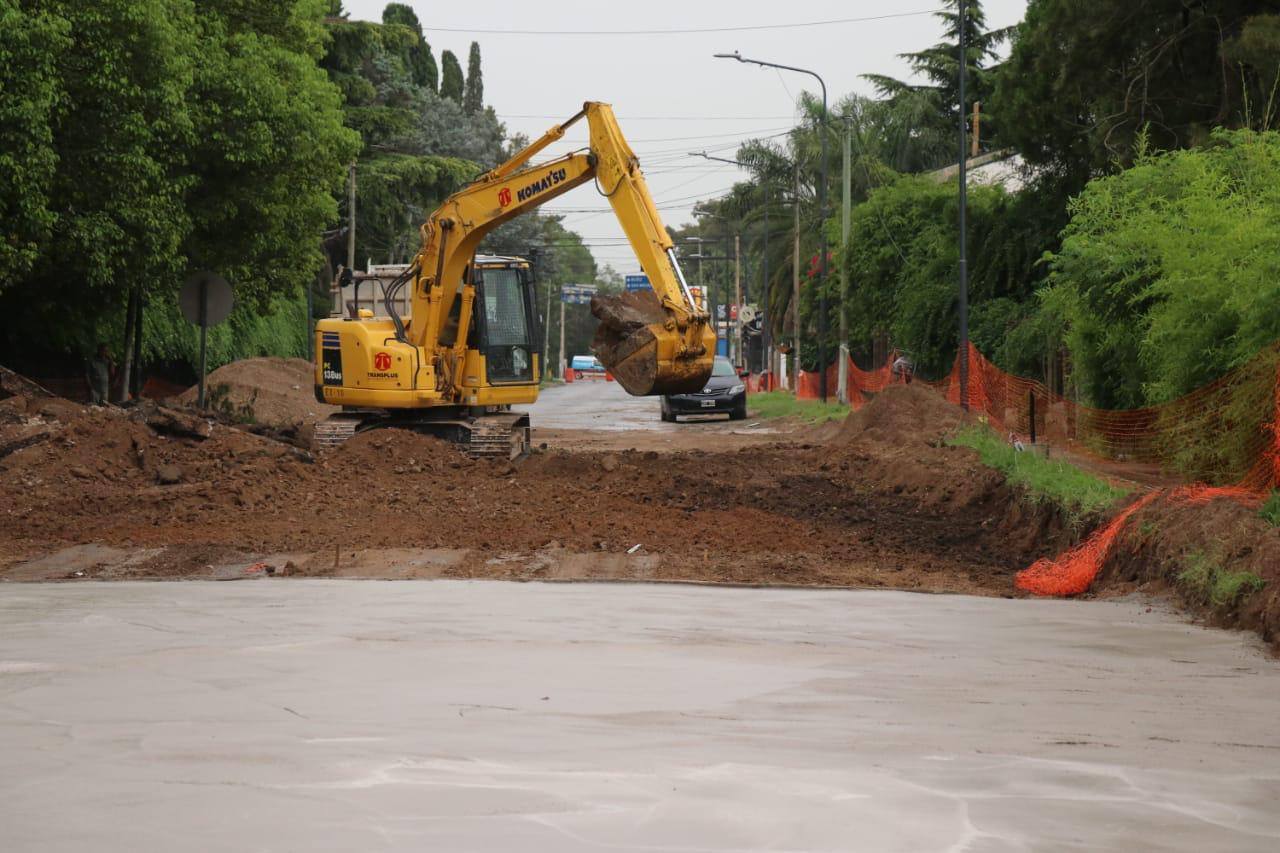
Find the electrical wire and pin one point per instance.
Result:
(682, 31)
(664, 118)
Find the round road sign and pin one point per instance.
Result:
(215, 293)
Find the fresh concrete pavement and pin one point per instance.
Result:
(282, 715)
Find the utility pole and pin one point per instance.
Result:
(546, 334)
(766, 335)
(351, 226)
(795, 278)
(964, 204)
(737, 288)
(977, 129)
(561, 338)
(842, 386)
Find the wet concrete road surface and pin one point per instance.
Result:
(367, 716)
(601, 405)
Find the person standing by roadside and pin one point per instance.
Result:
(903, 369)
(100, 372)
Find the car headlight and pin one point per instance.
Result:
(737, 389)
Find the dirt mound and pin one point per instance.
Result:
(393, 449)
(901, 414)
(273, 391)
(1219, 558)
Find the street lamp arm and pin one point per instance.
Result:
(739, 57)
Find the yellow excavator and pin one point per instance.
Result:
(469, 350)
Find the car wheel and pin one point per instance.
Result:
(667, 417)
(739, 412)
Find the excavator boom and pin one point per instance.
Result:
(659, 343)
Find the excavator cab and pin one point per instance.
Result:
(504, 329)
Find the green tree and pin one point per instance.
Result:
(30, 88)
(261, 197)
(418, 55)
(121, 135)
(1086, 77)
(451, 82)
(935, 105)
(473, 99)
(1169, 272)
(179, 136)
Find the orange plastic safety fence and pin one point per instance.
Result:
(1074, 571)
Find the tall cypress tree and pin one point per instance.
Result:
(421, 62)
(451, 82)
(473, 100)
(936, 102)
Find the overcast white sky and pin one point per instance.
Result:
(670, 95)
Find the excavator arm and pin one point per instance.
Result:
(659, 343)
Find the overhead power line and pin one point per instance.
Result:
(666, 118)
(682, 31)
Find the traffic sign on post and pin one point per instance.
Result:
(577, 294)
(637, 282)
(206, 300)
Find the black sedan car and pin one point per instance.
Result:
(725, 393)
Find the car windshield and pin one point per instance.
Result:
(723, 367)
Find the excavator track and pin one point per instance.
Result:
(334, 430)
(503, 435)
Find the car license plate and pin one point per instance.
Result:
(708, 404)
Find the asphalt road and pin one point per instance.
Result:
(599, 405)
(344, 715)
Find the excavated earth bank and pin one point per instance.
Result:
(882, 502)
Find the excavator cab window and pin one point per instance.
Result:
(505, 324)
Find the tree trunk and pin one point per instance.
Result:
(126, 364)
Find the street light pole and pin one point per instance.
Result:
(765, 340)
(964, 205)
(822, 216)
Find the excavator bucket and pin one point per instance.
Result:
(634, 343)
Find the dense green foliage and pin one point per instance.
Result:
(152, 137)
(419, 146)
(1169, 272)
(1086, 78)
(419, 60)
(902, 259)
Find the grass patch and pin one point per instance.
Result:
(1205, 580)
(783, 404)
(1075, 490)
(1270, 511)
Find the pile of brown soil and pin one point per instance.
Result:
(273, 391)
(1167, 546)
(901, 414)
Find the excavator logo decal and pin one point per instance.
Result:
(504, 196)
(548, 181)
(382, 361)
